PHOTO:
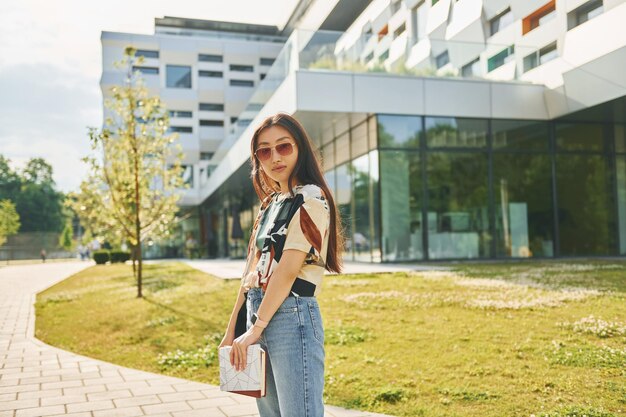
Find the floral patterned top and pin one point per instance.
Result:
(300, 222)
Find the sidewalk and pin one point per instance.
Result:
(40, 380)
(232, 269)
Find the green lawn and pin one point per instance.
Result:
(497, 339)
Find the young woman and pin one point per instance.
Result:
(295, 237)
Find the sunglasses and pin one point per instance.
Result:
(283, 149)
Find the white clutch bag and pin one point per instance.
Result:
(251, 380)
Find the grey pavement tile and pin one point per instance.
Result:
(37, 379)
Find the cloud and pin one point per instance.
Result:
(45, 111)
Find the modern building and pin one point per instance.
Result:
(468, 129)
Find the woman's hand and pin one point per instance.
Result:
(240, 345)
(227, 340)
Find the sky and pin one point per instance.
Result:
(50, 67)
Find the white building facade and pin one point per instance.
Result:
(469, 129)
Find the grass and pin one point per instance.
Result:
(541, 338)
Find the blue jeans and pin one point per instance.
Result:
(294, 343)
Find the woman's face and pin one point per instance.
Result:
(280, 163)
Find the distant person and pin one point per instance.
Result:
(95, 245)
(43, 255)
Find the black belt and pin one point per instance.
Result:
(302, 288)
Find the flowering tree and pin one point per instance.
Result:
(131, 190)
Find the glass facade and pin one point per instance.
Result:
(415, 188)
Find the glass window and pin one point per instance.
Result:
(375, 207)
(523, 135)
(146, 70)
(501, 21)
(205, 156)
(545, 54)
(211, 106)
(187, 174)
(267, 61)
(458, 218)
(586, 207)
(359, 140)
(583, 13)
(579, 137)
(399, 31)
(619, 131)
(451, 132)
(213, 123)
(548, 53)
(181, 129)
(343, 201)
(242, 83)
(362, 209)
(178, 76)
(401, 205)
(342, 150)
(621, 202)
(241, 68)
(522, 188)
(180, 113)
(328, 155)
(472, 69)
(330, 180)
(372, 132)
(209, 58)
(210, 74)
(442, 59)
(500, 58)
(399, 131)
(147, 54)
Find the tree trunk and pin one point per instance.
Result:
(133, 251)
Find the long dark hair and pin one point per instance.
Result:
(308, 171)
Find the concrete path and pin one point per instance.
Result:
(232, 269)
(37, 379)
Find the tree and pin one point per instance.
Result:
(9, 220)
(65, 240)
(33, 192)
(132, 185)
(9, 180)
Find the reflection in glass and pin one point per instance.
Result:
(342, 148)
(458, 221)
(579, 137)
(359, 140)
(362, 232)
(523, 205)
(343, 200)
(586, 214)
(450, 132)
(621, 202)
(401, 206)
(520, 135)
(375, 207)
(399, 131)
(619, 131)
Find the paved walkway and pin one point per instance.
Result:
(232, 269)
(37, 379)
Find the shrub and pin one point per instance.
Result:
(119, 256)
(101, 257)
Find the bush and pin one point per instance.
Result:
(101, 257)
(118, 256)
